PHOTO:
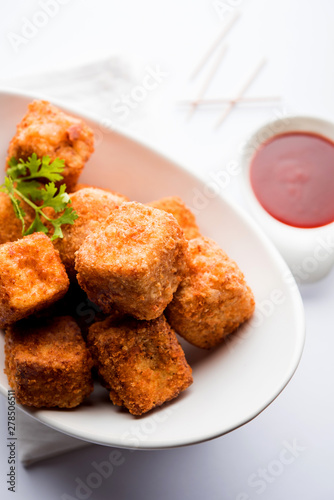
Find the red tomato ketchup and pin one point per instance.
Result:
(292, 176)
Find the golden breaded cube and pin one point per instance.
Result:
(80, 185)
(134, 262)
(47, 363)
(186, 219)
(92, 206)
(10, 225)
(32, 277)
(48, 131)
(140, 362)
(213, 300)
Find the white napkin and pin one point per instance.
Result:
(93, 87)
(36, 441)
(98, 87)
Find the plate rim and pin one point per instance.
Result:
(254, 227)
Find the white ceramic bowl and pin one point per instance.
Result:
(233, 383)
(309, 252)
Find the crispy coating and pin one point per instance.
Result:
(80, 185)
(47, 363)
(10, 225)
(134, 262)
(141, 362)
(47, 131)
(186, 219)
(32, 277)
(213, 300)
(92, 206)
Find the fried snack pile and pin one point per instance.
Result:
(145, 270)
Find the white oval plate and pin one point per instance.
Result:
(233, 383)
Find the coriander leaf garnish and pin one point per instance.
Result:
(59, 201)
(31, 189)
(37, 168)
(21, 183)
(65, 218)
(37, 226)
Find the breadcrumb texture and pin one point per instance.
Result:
(213, 300)
(47, 363)
(186, 219)
(48, 131)
(92, 206)
(32, 277)
(80, 185)
(134, 262)
(140, 362)
(10, 225)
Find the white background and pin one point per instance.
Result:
(297, 38)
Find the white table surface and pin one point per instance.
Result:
(297, 37)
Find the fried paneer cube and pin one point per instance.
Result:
(140, 362)
(213, 300)
(92, 206)
(10, 225)
(32, 277)
(186, 219)
(47, 363)
(80, 185)
(134, 262)
(48, 131)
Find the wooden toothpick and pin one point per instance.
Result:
(208, 80)
(242, 90)
(215, 44)
(228, 100)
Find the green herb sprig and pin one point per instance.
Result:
(23, 182)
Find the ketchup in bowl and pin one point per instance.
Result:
(292, 176)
